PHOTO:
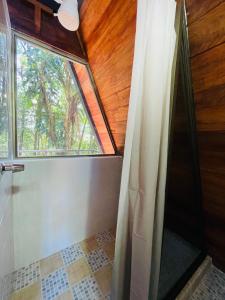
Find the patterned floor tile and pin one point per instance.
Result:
(87, 289)
(26, 276)
(32, 292)
(54, 284)
(104, 279)
(50, 264)
(71, 254)
(212, 286)
(65, 296)
(78, 270)
(89, 245)
(109, 249)
(104, 237)
(97, 259)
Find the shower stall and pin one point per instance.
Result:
(47, 210)
(183, 247)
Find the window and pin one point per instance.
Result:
(3, 96)
(52, 116)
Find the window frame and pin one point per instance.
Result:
(71, 58)
(6, 30)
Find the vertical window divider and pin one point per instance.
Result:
(13, 98)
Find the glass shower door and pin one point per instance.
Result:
(183, 243)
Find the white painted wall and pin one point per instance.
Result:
(57, 202)
(6, 238)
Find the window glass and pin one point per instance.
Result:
(3, 97)
(52, 118)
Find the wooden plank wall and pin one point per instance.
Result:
(206, 24)
(108, 31)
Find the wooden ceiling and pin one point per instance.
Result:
(51, 32)
(54, 5)
(108, 32)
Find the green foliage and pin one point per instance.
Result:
(3, 98)
(51, 118)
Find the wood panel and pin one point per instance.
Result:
(108, 31)
(209, 69)
(95, 12)
(198, 8)
(92, 105)
(52, 33)
(209, 31)
(207, 43)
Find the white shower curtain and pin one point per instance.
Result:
(141, 205)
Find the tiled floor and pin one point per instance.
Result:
(82, 271)
(211, 287)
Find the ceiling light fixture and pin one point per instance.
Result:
(68, 14)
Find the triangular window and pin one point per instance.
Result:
(53, 114)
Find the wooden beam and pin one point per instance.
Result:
(52, 32)
(38, 8)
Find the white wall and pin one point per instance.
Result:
(57, 202)
(6, 239)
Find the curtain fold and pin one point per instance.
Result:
(141, 204)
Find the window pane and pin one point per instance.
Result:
(3, 97)
(52, 119)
